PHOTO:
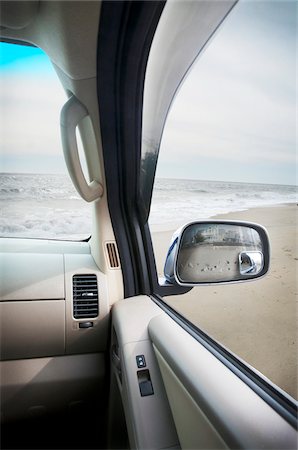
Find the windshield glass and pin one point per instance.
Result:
(37, 197)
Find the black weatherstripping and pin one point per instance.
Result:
(125, 35)
(126, 31)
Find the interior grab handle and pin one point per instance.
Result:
(72, 113)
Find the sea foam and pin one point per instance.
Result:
(48, 206)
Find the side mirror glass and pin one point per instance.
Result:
(217, 252)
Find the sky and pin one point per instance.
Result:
(31, 98)
(232, 120)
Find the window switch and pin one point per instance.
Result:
(146, 388)
(141, 362)
(145, 384)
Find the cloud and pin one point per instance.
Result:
(238, 103)
(30, 114)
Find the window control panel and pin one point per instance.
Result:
(141, 362)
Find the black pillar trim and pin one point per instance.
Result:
(126, 31)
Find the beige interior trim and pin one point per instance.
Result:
(31, 329)
(65, 30)
(17, 245)
(18, 14)
(31, 276)
(194, 429)
(79, 340)
(149, 420)
(240, 416)
(37, 300)
(36, 387)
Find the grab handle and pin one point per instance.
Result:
(72, 113)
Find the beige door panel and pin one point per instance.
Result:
(219, 409)
(194, 428)
(148, 417)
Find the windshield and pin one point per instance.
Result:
(37, 197)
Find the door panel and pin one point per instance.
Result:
(215, 400)
(206, 403)
(193, 427)
(148, 418)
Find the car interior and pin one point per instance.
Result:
(91, 356)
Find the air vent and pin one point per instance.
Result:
(113, 255)
(85, 296)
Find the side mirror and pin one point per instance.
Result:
(217, 252)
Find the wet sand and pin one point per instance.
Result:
(256, 320)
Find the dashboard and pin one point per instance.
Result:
(44, 286)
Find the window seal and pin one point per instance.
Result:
(126, 31)
(275, 398)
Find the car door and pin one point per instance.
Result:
(178, 386)
(156, 380)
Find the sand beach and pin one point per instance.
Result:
(256, 320)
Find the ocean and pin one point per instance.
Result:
(48, 206)
(188, 200)
(42, 206)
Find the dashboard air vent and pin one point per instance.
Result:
(85, 296)
(113, 255)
